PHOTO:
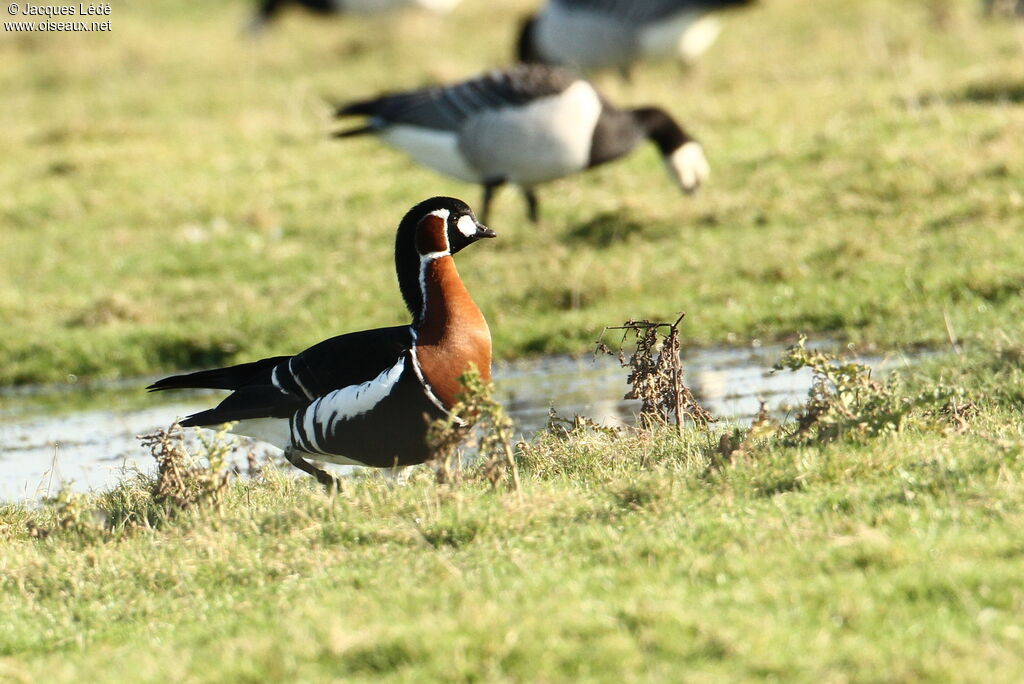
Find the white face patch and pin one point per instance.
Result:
(466, 225)
(689, 166)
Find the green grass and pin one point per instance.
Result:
(172, 199)
(632, 558)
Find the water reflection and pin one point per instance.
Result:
(92, 444)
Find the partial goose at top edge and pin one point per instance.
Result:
(598, 34)
(268, 10)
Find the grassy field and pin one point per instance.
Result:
(172, 199)
(890, 556)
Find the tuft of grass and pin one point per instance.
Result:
(476, 418)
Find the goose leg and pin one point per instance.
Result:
(532, 205)
(490, 187)
(321, 475)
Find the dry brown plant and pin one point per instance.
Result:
(656, 374)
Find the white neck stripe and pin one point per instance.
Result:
(426, 260)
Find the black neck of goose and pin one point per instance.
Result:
(526, 46)
(267, 9)
(616, 134)
(661, 129)
(407, 266)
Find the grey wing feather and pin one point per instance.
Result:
(644, 11)
(446, 108)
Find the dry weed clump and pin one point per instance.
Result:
(565, 428)
(740, 443)
(476, 421)
(844, 400)
(656, 374)
(181, 481)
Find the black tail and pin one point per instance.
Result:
(253, 401)
(230, 378)
(360, 108)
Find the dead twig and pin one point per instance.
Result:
(656, 375)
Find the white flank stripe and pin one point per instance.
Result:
(423, 381)
(274, 381)
(355, 400)
(309, 427)
(298, 382)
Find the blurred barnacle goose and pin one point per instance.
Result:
(1003, 7)
(596, 34)
(524, 125)
(368, 398)
(270, 9)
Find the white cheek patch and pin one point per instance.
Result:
(689, 166)
(466, 225)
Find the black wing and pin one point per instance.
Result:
(646, 11)
(278, 387)
(446, 108)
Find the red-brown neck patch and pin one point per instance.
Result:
(453, 334)
(432, 235)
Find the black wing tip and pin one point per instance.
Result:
(359, 108)
(165, 384)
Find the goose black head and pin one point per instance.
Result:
(437, 227)
(683, 155)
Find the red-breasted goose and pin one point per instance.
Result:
(367, 398)
(597, 34)
(270, 9)
(524, 125)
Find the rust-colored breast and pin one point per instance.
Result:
(453, 334)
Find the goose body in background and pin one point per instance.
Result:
(368, 398)
(1004, 7)
(597, 34)
(525, 125)
(270, 9)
